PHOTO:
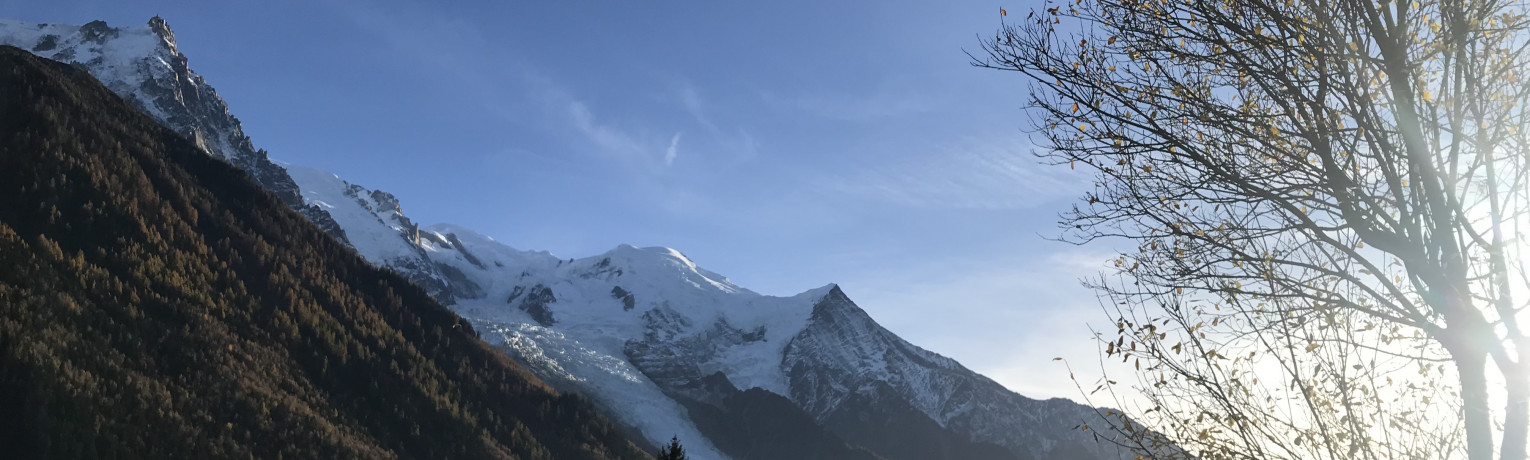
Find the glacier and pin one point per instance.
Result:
(631, 329)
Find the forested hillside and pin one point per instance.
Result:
(156, 303)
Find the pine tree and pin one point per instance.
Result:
(673, 451)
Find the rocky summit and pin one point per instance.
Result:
(666, 347)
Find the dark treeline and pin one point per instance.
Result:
(156, 303)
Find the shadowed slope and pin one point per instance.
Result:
(156, 303)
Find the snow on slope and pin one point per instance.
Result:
(376, 233)
(375, 225)
(122, 59)
(671, 298)
(606, 378)
(143, 65)
(600, 306)
(619, 327)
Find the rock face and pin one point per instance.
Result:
(666, 347)
(699, 356)
(852, 374)
(143, 66)
(162, 305)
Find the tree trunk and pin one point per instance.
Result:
(1517, 412)
(1472, 367)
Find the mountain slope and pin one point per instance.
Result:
(635, 322)
(144, 66)
(638, 331)
(160, 304)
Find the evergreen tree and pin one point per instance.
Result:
(673, 451)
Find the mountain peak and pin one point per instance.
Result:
(628, 322)
(98, 32)
(162, 29)
(834, 290)
(663, 260)
(655, 253)
(370, 367)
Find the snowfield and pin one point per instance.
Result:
(626, 328)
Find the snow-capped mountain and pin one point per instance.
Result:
(143, 65)
(658, 341)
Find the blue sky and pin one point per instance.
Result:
(785, 144)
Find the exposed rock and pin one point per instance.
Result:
(325, 221)
(536, 303)
(879, 419)
(458, 285)
(751, 424)
(849, 372)
(172, 94)
(841, 370)
(628, 302)
(48, 43)
(452, 237)
(386, 202)
(97, 32)
(431, 237)
(673, 361)
(603, 267)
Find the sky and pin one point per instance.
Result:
(784, 144)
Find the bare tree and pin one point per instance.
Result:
(1328, 204)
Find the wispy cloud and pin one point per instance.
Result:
(738, 143)
(609, 139)
(997, 173)
(673, 150)
(502, 81)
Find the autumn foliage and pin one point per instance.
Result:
(156, 303)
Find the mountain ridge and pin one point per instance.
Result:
(630, 327)
(158, 303)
